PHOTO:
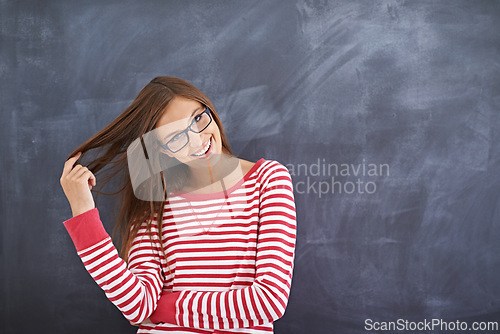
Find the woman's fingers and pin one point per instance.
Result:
(68, 165)
(88, 177)
(77, 181)
(81, 174)
(146, 321)
(92, 180)
(79, 171)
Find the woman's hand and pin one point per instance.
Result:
(77, 183)
(147, 321)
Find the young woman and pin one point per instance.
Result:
(207, 239)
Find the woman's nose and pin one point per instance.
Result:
(195, 139)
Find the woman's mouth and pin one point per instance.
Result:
(206, 150)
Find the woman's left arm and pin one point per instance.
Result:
(266, 299)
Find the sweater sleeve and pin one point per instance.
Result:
(134, 290)
(266, 299)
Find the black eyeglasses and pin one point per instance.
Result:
(199, 123)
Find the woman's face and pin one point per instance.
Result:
(177, 116)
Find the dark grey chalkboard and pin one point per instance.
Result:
(387, 114)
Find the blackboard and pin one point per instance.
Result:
(386, 113)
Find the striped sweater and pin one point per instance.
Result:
(229, 258)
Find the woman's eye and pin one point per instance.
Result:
(197, 118)
(176, 137)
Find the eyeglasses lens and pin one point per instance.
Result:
(199, 124)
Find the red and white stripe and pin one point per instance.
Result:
(228, 267)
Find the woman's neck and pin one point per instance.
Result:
(208, 180)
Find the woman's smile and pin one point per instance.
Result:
(205, 151)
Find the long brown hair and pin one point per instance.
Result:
(112, 142)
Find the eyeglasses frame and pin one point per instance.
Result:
(207, 110)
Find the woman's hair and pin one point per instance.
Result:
(112, 142)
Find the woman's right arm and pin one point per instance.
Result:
(134, 290)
